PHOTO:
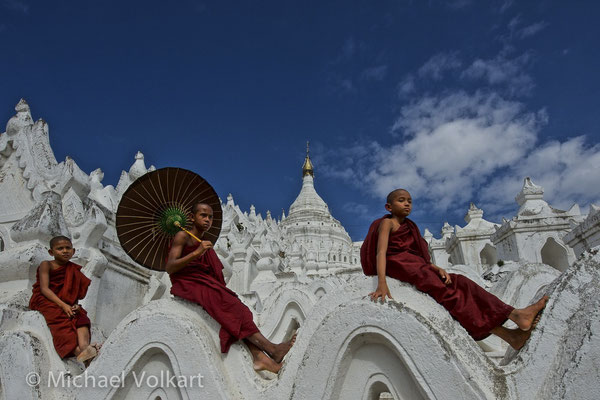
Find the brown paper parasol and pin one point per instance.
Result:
(151, 207)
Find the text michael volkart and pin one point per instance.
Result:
(164, 379)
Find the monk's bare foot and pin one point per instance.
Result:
(87, 354)
(536, 320)
(264, 363)
(97, 346)
(517, 338)
(282, 349)
(525, 317)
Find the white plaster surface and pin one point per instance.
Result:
(303, 277)
(586, 235)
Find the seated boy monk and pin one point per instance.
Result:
(59, 284)
(394, 247)
(197, 275)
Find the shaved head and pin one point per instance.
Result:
(395, 193)
(57, 239)
(198, 205)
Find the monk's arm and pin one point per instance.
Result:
(44, 274)
(175, 262)
(382, 244)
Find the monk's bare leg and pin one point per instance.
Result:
(525, 317)
(82, 343)
(83, 337)
(261, 360)
(86, 351)
(275, 351)
(516, 338)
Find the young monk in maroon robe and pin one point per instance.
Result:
(394, 247)
(59, 285)
(197, 275)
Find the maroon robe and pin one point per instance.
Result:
(407, 259)
(202, 282)
(70, 285)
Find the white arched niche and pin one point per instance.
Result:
(372, 366)
(555, 255)
(488, 255)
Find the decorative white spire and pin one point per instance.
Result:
(138, 168)
(230, 200)
(474, 213)
(308, 199)
(23, 118)
(531, 200)
(530, 191)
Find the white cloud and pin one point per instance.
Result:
(517, 31)
(346, 163)
(506, 5)
(569, 171)
(457, 146)
(377, 73)
(513, 24)
(406, 86)
(461, 147)
(504, 71)
(438, 64)
(360, 210)
(16, 5)
(346, 85)
(531, 29)
(450, 146)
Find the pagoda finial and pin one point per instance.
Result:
(307, 168)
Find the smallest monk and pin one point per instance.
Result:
(59, 285)
(394, 247)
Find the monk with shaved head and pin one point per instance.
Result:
(197, 275)
(59, 286)
(394, 248)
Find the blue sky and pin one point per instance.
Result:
(456, 101)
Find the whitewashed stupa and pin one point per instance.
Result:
(299, 272)
(310, 225)
(537, 223)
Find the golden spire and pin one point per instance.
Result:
(307, 168)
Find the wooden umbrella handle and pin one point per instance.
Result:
(177, 224)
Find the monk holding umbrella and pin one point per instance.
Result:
(175, 215)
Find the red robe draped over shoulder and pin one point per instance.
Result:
(70, 285)
(201, 281)
(407, 259)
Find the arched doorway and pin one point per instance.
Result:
(488, 255)
(555, 255)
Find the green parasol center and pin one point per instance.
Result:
(166, 220)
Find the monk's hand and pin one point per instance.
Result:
(204, 245)
(381, 292)
(75, 308)
(68, 310)
(444, 275)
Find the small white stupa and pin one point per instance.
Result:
(535, 233)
